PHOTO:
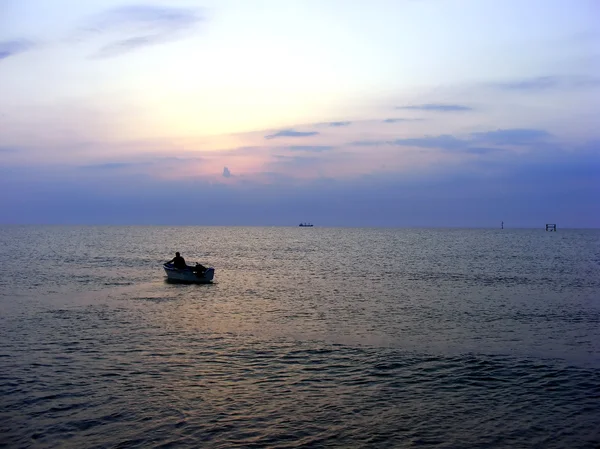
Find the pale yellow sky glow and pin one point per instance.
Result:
(208, 82)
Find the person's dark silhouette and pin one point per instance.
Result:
(199, 268)
(178, 261)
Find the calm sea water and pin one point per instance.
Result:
(310, 337)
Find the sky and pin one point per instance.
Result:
(400, 113)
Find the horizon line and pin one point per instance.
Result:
(522, 227)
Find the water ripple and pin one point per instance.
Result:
(451, 338)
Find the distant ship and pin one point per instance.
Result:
(305, 225)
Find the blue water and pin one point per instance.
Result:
(310, 337)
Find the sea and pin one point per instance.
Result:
(308, 338)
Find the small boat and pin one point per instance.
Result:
(305, 225)
(189, 275)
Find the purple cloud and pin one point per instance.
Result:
(481, 150)
(473, 144)
(161, 161)
(397, 120)
(446, 142)
(12, 48)
(369, 143)
(311, 148)
(296, 161)
(291, 133)
(527, 188)
(115, 166)
(134, 27)
(437, 107)
(515, 136)
(548, 82)
(8, 150)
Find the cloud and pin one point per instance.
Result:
(126, 45)
(298, 161)
(369, 143)
(291, 133)
(437, 107)
(12, 48)
(517, 187)
(522, 191)
(446, 142)
(138, 26)
(164, 162)
(472, 144)
(397, 120)
(312, 148)
(481, 150)
(517, 136)
(111, 165)
(542, 83)
(226, 173)
(339, 123)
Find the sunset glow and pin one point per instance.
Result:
(496, 100)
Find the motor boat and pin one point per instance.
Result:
(189, 275)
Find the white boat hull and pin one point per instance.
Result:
(188, 276)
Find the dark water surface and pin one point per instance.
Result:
(310, 337)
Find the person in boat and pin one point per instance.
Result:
(199, 268)
(178, 261)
